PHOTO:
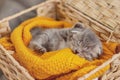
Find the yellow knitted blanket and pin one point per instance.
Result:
(55, 65)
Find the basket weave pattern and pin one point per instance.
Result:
(114, 72)
(105, 13)
(11, 68)
(102, 16)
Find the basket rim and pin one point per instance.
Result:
(26, 10)
(16, 63)
(35, 7)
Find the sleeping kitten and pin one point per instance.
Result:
(81, 40)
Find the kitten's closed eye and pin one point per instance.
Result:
(88, 44)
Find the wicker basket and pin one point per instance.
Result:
(102, 16)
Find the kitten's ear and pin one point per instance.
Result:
(79, 25)
(77, 28)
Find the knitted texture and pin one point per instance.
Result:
(5, 41)
(59, 65)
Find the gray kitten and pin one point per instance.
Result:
(80, 39)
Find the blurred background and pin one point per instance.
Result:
(10, 7)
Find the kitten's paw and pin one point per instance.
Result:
(89, 57)
(40, 49)
(98, 52)
(86, 56)
(95, 53)
(36, 47)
